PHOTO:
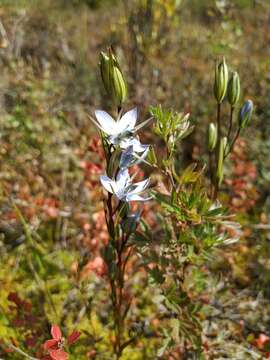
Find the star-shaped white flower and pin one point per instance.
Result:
(123, 125)
(121, 131)
(123, 188)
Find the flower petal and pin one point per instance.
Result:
(73, 337)
(108, 183)
(138, 127)
(122, 179)
(143, 156)
(58, 354)
(127, 158)
(51, 344)
(140, 186)
(56, 332)
(107, 123)
(137, 146)
(135, 197)
(128, 121)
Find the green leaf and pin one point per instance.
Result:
(151, 157)
(175, 330)
(166, 343)
(139, 239)
(189, 175)
(156, 275)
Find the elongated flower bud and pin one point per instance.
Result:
(234, 89)
(119, 86)
(105, 71)
(114, 163)
(221, 81)
(212, 136)
(245, 113)
(112, 77)
(221, 153)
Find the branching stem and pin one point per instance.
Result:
(233, 143)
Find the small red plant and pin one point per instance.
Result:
(55, 346)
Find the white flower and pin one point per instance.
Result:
(124, 125)
(121, 131)
(128, 142)
(123, 188)
(129, 157)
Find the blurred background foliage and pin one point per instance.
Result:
(51, 205)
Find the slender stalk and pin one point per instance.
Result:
(19, 351)
(169, 168)
(233, 143)
(218, 121)
(211, 173)
(231, 122)
(120, 313)
(216, 186)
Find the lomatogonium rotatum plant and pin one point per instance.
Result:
(123, 149)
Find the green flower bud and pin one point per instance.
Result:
(234, 88)
(105, 71)
(212, 136)
(119, 86)
(112, 77)
(221, 80)
(245, 114)
(114, 163)
(221, 153)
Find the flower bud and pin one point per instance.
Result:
(112, 78)
(105, 71)
(212, 136)
(245, 113)
(234, 89)
(119, 86)
(114, 163)
(221, 153)
(221, 81)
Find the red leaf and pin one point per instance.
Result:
(56, 332)
(58, 355)
(73, 337)
(13, 297)
(27, 306)
(51, 344)
(262, 341)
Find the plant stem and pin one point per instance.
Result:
(216, 186)
(233, 143)
(231, 122)
(210, 154)
(19, 351)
